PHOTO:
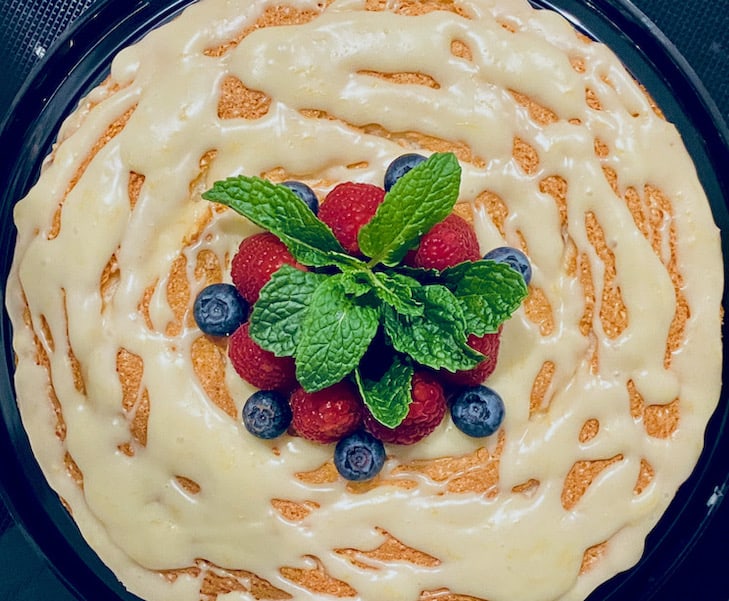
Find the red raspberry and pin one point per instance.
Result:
(448, 243)
(487, 345)
(260, 367)
(347, 208)
(326, 415)
(426, 412)
(258, 257)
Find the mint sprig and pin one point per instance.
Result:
(488, 293)
(277, 209)
(397, 291)
(276, 319)
(437, 338)
(326, 318)
(335, 333)
(424, 197)
(388, 398)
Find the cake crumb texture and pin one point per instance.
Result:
(609, 371)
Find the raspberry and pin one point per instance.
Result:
(448, 243)
(487, 345)
(258, 257)
(326, 415)
(259, 367)
(425, 414)
(347, 208)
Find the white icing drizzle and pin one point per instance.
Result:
(499, 547)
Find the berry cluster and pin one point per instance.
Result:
(337, 413)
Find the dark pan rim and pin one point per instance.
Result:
(80, 59)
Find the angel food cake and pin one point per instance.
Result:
(609, 369)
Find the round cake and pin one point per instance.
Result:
(609, 370)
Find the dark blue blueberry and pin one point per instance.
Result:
(477, 411)
(514, 258)
(359, 456)
(219, 309)
(305, 193)
(400, 166)
(267, 414)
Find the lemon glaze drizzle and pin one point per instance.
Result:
(501, 547)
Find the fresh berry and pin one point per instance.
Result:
(347, 208)
(258, 366)
(400, 166)
(305, 193)
(267, 414)
(477, 411)
(514, 258)
(219, 309)
(425, 413)
(488, 346)
(258, 257)
(448, 243)
(326, 415)
(359, 456)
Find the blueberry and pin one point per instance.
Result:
(305, 193)
(477, 411)
(400, 166)
(219, 309)
(359, 456)
(267, 414)
(514, 258)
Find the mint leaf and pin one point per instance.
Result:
(437, 338)
(396, 290)
(275, 322)
(421, 274)
(488, 292)
(328, 318)
(356, 283)
(277, 209)
(424, 196)
(389, 399)
(335, 334)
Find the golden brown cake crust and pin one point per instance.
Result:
(578, 437)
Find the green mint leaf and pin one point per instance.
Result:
(420, 274)
(436, 339)
(275, 322)
(356, 283)
(488, 292)
(388, 399)
(424, 196)
(335, 334)
(277, 209)
(396, 290)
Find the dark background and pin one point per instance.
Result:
(699, 29)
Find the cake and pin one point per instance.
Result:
(609, 371)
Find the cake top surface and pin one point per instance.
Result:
(609, 371)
